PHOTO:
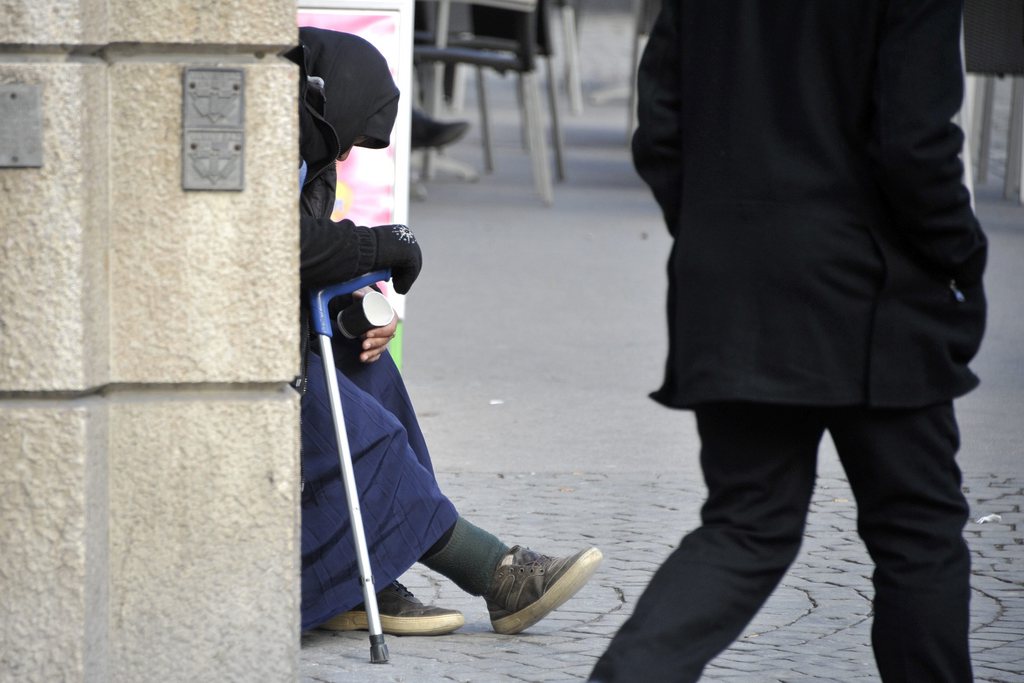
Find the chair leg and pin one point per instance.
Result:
(982, 125)
(434, 79)
(1013, 187)
(570, 40)
(965, 119)
(485, 121)
(556, 126)
(524, 131)
(639, 34)
(458, 101)
(535, 134)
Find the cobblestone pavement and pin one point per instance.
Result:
(815, 627)
(604, 237)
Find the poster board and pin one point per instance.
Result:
(373, 184)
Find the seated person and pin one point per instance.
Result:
(348, 98)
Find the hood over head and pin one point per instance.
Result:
(346, 91)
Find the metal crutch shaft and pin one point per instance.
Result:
(319, 301)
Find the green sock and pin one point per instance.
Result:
(469, 557)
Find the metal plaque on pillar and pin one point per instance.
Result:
(21, 126)
(213, 129)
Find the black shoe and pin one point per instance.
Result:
(429, 133)
(401, 614)
(527, 586)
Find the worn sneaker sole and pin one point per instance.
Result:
(434, 625)
(567, 586)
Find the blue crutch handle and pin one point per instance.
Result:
(318, 299)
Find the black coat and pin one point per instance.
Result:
(347, 98)
(353, 101)
(804, 157)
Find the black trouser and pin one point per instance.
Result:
(759, 464)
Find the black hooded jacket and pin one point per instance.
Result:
(345, 92)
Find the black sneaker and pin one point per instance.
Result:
(401, 614)
(431, 133)
(527, 586)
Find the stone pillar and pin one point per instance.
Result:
(148, 438)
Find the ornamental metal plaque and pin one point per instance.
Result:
(21, 126)
(213, 159)
(214, 98)
(213, 129)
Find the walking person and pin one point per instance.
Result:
(825, 275)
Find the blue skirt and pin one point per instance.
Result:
(403, 510)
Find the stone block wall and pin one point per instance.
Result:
(148, 436)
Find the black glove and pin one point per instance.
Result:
(398, 250)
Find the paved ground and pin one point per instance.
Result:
(815, 627)
(532, 338)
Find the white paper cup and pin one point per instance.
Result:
(373, 310)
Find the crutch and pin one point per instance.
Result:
(318, 301)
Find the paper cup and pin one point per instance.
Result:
(373, 310)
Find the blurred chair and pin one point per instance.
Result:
(643, 14)
(569, 15)
(504, 36)
(492, 28)
(993, 37)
